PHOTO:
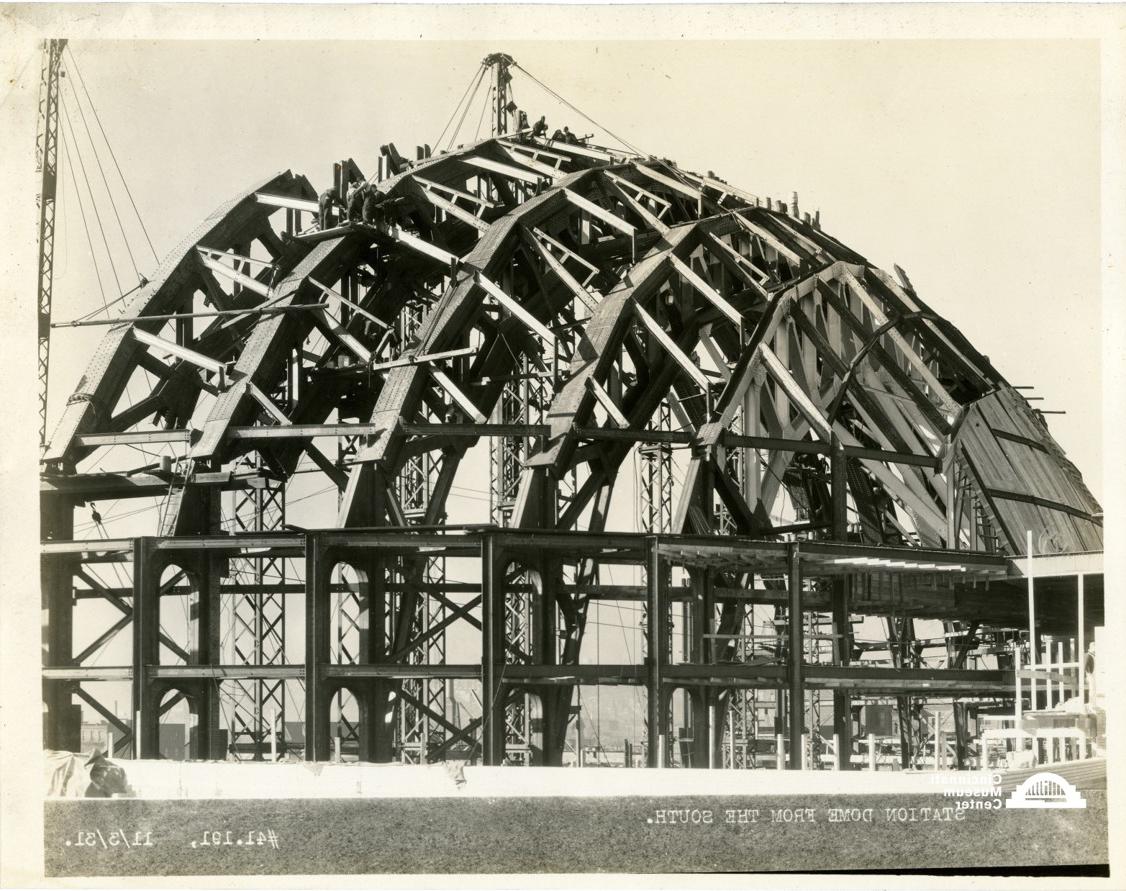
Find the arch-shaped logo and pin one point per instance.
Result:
(1044, 790)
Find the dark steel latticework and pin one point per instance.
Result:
(46, 164)
(815, 445)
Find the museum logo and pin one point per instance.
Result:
(1045, 790)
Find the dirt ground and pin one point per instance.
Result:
(564, 835)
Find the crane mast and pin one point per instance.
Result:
(46, 157)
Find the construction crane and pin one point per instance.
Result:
(499, 64)
(46, 156)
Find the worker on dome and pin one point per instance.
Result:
(326, 202)
(371, 209)
(570, 137)
(355, 202)
(540, 128)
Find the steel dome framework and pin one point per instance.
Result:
(569, 304)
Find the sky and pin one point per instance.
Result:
(973, 165)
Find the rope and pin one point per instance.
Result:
(606, 130)
(468, 105)
(469, 86)
(105, 180)
(85, 225)
(94, 312)
(129, 194)
(90, 191)
(488, 102)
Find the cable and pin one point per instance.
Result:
(74, 63)
(468, 105)
(93, 201)
(606, 130)
(469, 86)
(94, 312)
(85, 225)
(105, 180)
(484, 108)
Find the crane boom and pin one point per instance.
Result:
(46, 157)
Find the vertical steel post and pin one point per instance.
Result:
(797, 689)
(318, 697)
(1033, 640)
(842, 629)
(61, 729)
(146, 655)
(210, 621)
(492, 655)
(1082, 651)
(655, 655)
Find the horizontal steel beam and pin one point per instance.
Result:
(133, 437)
(302, 431)
(863, 679)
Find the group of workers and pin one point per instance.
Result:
(361, 204)
(539, 131)
(362, 201)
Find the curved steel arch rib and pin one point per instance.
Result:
(171, 290)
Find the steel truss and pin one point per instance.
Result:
(570, 303)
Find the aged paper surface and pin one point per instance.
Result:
(980, 148)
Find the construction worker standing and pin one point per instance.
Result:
(325, 203)
(371, 210)
(356, 202)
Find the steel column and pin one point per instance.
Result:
(146, 649)
(797, 688)
(492, 654)
(318, 696)
(61, 721)
(842, 628)
(655, 657)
